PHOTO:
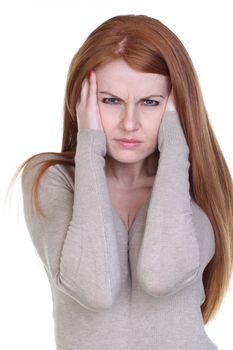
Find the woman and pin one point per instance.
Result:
(135, 238)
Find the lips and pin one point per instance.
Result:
(129, 145)
(128, 140)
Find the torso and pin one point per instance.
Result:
(127, 202)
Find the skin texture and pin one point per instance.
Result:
(129, 116)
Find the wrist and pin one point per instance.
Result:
(90, 140)
(171, 133)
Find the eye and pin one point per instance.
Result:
(150, 104)
(108, 98)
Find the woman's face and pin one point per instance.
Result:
(137, 110)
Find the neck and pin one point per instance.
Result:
(131, 174)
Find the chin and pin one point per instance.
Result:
(127, 158)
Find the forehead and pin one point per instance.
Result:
(117, 75)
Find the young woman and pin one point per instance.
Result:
(133, 219)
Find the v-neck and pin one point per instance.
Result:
(135, 218)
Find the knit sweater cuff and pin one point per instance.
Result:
(171, 134)
(90, 140)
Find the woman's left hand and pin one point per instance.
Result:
(170, 106)
(171, 133)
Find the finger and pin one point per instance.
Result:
(84, 90)
(170, 102)
(83, 95)
(92, 88)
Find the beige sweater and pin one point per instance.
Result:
(119, 290)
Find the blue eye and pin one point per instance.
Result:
(157, 103)
(113, 98)
(108, 98)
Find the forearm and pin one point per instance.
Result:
(169, 256)
(91, 230)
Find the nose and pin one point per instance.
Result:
(129, 118)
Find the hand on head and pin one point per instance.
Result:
(170, 102)
(87, 110)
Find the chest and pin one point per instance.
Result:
(128, 202)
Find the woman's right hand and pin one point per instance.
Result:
(87, 110)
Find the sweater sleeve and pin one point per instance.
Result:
(77, 240)
(169, 257)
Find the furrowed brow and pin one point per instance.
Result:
(143, 98)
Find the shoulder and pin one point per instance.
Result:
(55, 172)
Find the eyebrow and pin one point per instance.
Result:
(143, 98)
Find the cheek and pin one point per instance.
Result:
(108, 123)
(154, 136)
(152, 132)
(109, 117)
(157, 120)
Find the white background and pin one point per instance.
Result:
(38, 41)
